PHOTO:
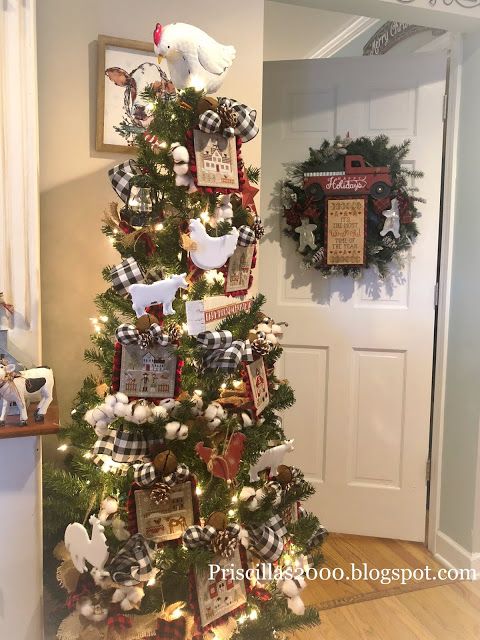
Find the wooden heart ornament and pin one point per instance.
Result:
(226, 465)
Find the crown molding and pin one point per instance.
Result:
(353, 28)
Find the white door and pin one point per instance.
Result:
(358, 354)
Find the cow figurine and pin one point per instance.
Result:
(160, 292)
(135, 83)
(24, 387)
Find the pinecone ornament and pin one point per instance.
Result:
(174, 332)
(160, 493)
(261, 346)
(224, 544)
(146, 340)
(258, 228)
(228, 117)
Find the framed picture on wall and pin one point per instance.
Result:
(125, 69)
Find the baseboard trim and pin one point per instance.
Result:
(453, 555)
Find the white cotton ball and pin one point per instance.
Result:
(277, 330)
(181, 169)
(159, 412)
(253, 505)
(246, 419)
(101, 428)
(109, 505)
(260, 495)
(120, 409)
(183, 432)
(141, 413)
(272, 338)
(99, 576)
(246, 493)
(121, 397)
(136, 594)
(85, 608)
(296, 606)
(171, 430)
(168, 404)
(119, 530)
(117, 596)
(88, 417)
(266, 328)
(197, 404)
(180, 154)
(109, 400)
(214, 410)
(290, 588)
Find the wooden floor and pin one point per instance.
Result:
(368, 610)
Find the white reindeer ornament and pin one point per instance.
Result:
(84, 549)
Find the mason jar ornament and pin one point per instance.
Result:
(142, 207)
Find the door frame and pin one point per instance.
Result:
(444, 287)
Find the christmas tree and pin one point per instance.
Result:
(174, 482)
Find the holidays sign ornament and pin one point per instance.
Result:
(350, 205)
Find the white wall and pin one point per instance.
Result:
(295, 33)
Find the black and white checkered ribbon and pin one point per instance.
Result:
(196, 537)
(129, 334)
(121, 445)
(133, 563)
(224, 353)
(145, 474)
(318, 537)
(120, 176)
(124, 274)
(246, 236)
(245, 127)
(267, 539)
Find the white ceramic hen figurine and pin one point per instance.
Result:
(194, 58)
(210, 252)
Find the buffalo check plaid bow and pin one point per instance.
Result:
(129, 334)
(171, 629)
(225, 353)
(103, 451)
(133, 563)
(129, 446)
(195, 537)
(120, 177)
(245, 127)
(318, 537)
(267, 539)
(145, 474)
(126, 273)
(246, 236)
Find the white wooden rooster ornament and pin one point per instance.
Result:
(194, 58)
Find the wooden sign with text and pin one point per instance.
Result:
(346, 231)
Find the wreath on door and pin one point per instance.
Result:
(352, 205)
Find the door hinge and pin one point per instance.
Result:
(436, 294)
(445, 106)
(428, 470)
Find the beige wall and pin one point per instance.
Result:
(74, 183)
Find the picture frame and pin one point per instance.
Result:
(169, 519)
(220, 598)
(258, 384)
(149, 373)
(216, 161)
(346, 231)
(119, 93)
(239, 270)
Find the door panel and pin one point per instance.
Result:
(358, 353)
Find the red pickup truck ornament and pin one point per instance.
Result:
(358, 179)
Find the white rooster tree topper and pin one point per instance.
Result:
(194, 58)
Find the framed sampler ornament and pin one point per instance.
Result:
(346, 231)
(258, 384)
(216, 160)
(221, 596)
(239, 270)
(148, 373)
(168, 519)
